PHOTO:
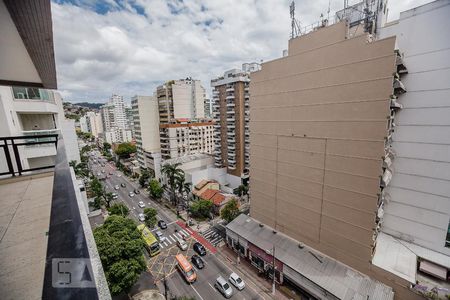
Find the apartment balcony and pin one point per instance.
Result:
(231, 104)
(231, 140)
(228, 97)
(231, 147)
(45, 223)
(229, 89)
(231, 119)
(218, 164)
(231, 133)
(230, 112)
(231, 126)
(40, 143)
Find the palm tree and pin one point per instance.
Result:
(173, 174)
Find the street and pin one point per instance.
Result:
(164, 264)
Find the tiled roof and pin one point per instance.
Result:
(217, 199)
(208, 194)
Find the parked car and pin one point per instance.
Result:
(236, 281)
(141, 217)
(141, 204)
(115, 196)
(122, 185)
(137, 192)
(116, 187)
(223, 287)
(131, 194)
(182, 244)
(162, 224)
(199, 249)
(197, 261)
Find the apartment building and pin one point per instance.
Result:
(208, 108)
(92, 122)
(322, 132)
(38, 189)
(183, 127)
(146, 130)
(231, 114)
(114, 119)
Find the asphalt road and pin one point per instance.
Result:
(164, 263)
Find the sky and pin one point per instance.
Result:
(107, 47)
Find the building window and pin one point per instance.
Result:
(447, 240)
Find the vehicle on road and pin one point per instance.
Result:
(159, 234)
(199, 249)
(103, 171)
(141, 204)
(162, 224)
(137, 192)
(119, 175)
(223, 287)
(197, 261)
(131, 194)
(141, 217)
(236, 281)
(182, 244)
(123, 185)
(151, 243)
(98, 174)
(185, 268)
(116, 187)
(111, 173)
(115, 196)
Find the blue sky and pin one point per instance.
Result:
(129, 47)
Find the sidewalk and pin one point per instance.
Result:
(250, 273)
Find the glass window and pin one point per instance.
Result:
(31, 93)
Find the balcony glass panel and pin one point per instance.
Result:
(31, 93)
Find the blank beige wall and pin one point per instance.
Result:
(317, 130)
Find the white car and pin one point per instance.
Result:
(159, 234)
(182, 244)
(115, 196)
(141, 217)
(118, 175)
(236, 281)
(141, 204)
(131, 194)
(116, 187)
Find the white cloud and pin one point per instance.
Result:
(129, 53)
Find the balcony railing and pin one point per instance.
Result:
(32, 93)
(10, 146)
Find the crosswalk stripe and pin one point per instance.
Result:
(188, 230)
(169, 241)
(173, 239)
(181, 237)
(161, 246)
(165, 244)
(184, 232)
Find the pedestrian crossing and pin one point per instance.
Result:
(167, 241)
(213, 236)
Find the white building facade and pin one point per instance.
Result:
(114, 121)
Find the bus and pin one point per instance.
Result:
(186, 268)
(151, 243)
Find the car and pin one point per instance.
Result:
(236, 281)
(162, 224)
(141, 217)
(115, 196)
(199, 249)
(137, 192)
(103, 171)
(116, 187)
(159, 234)
(141, 204)
(182, 244)
(111, 173)
(98, 174)
(223, 287)
(197, 261)
(131, 194)
(119, 175)
(122, 185)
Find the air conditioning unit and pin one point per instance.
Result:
(401, 69)
(399, 88)
(386, 178)
(394, 104)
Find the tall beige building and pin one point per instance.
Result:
(184, 130)
(320, 133)
(232, 115)
(146, 129)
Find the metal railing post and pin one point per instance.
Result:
(17, 156)
(8, 157)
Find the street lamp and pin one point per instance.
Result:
(273, 267)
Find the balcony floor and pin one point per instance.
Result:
(25, 204)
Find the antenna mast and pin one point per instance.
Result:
(295, 28)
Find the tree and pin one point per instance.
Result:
(155, 189)
(120, 246)
(143, 179)
(173, 174)
(241, 190)
(81, 169)
(119, 209)
(125, 149)
(106, 146)
(230, 211)
(150, 217)
(108, 197)
(201, 208)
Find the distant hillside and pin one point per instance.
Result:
(89, 105)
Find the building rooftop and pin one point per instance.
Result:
(332, 276)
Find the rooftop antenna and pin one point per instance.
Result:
(295, 29)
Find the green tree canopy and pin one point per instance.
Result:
(230, 211)
(201, 208)
(120, 246)
(155, 189)
(106, 146)
(125, 149)
(119, 209)
(143, 179)
(174, 174)
(150, 217)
